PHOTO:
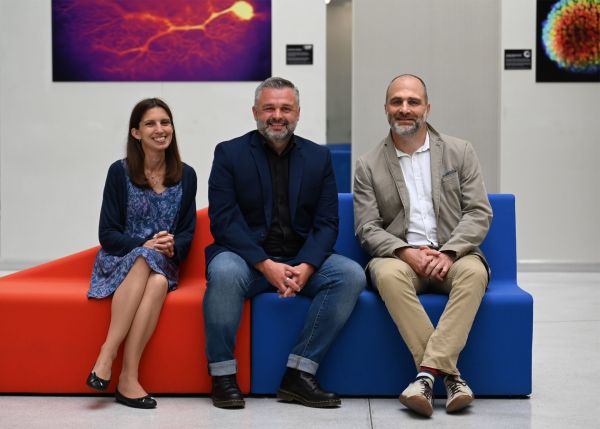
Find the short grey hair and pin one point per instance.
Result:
(407, 75)
(277, 83)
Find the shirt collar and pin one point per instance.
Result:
(286, 151)
(423, 148)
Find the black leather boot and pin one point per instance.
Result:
(226, 393)
(302, 387)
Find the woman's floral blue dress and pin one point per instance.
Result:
(147, 214)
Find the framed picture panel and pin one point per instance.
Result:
(159, 40)
(568, 41)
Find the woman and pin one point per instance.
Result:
(146, 227)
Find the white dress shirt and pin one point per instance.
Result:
(416, 168)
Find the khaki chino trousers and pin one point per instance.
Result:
(399, 285)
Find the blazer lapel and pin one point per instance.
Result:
(264, 173)
(295, 177)
(393, 165)
(436, 150)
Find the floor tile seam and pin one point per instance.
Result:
(370, 413)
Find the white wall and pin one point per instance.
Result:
(453, 46)
(58, 139)
(545, 146)
(339, 71)
(550, 157)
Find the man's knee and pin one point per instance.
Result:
(389, 273)
(471, 271)
(353, 277)
(226, 268)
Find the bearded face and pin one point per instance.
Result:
(276, 112)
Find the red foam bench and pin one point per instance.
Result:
(50, 332)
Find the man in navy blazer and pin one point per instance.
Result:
(273, 208)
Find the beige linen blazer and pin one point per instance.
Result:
(382, 206)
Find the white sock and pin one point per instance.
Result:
(426, 374)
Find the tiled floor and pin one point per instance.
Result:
(566, 384)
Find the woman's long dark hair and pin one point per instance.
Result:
(135, 153)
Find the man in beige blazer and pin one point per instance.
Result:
(421, 211)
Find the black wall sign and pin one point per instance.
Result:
(298, 54)
(517, 59)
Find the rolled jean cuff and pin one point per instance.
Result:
(227, 367)
(302, 363)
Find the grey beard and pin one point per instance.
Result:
(284, 134)
(405, 130)
(275, 136)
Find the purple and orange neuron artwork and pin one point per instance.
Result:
(158, 40)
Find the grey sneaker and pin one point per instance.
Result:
(418, 396)
(459, 394)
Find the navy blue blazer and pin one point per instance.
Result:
(113, 215)
(240, 199)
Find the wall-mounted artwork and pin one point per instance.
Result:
(159, 40)
(568, 41)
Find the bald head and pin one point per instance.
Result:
(407, 109)
(404, 77)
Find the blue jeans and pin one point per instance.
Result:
(334, 289)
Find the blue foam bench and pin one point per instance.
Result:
(341, 159)
(369, 357)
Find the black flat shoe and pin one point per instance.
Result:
(145, 402)
(96, 382)
(302, 387)
(226, 392)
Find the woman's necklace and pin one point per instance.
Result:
(156, 176)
